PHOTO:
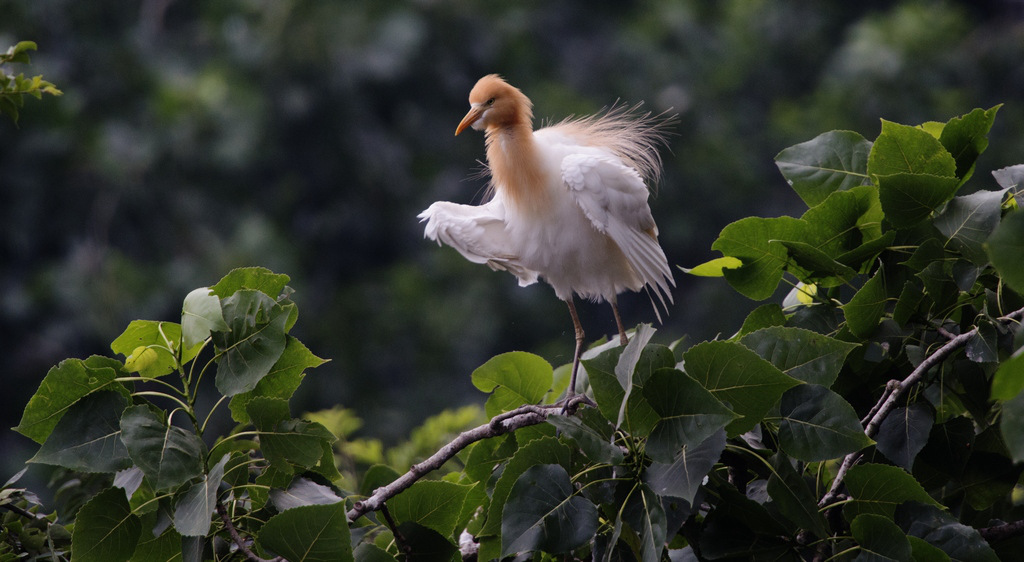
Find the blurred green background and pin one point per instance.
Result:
(305, 136)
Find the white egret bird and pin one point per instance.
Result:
(568, 203)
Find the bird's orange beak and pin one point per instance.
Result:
(470, 118)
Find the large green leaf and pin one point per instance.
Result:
(1005, 247)
(682, 477)
(902, 149)
(254, 343)
(105, 529)
(195, 507)
(866, 307)
(164, 548)
(969, 220)
(904, 432)
(546, 450)
(739, 378)
(645, 515)
(285, 440)
(764, 316)
(252, 278)
(817, 424)
(748, 239)
(908, 199)
(801, 354)
(201, 314)
(939, 528)
(434, 504)
(879, 489)
(514, 378)
(545, 514)
(88, 437)
(832, 161)
(585, 431)
(793, 497)
(879, 537)
(689, 413)
(845, 221)
(966, 138)
(312, 533)
(637, 415)
(282, 381)
(168, 455)
(64, 385)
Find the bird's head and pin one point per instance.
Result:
(495, 103)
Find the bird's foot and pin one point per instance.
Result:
(572, 403)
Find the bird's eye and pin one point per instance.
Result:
(490, 101)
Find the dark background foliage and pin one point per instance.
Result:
(194, 137)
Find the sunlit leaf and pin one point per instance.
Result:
(713, 268)
(312, 533)
(282, 381)
(514, 378)
(163, 338)
(434, 504)
(544, 513)
(833, 161)
(966, 137)
(251, 278)
(747, 239)
(201, 313)
(902, 149)
(801, 354)
(865, 308)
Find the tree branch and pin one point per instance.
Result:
(501, 424)
(243, 547)
(1002, 532)
(895, 390)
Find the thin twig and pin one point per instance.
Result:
(399, 539)
(237, 538)
(523, 416)
(1002, 532)
(895, 390)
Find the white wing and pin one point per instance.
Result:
(478, 233)
(613, 196)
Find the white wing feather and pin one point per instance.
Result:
(614, 198)
(478, 233)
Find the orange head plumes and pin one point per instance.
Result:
(494, 103)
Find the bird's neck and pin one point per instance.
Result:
(515, 165)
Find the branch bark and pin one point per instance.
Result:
(895, 390)
(243, 547)
(501, 424)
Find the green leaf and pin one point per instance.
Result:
(427, 544)
(514, 379)
(64, 385)
(682, 477)
(817, 424)
(793, 497)
(167, 547)
(367, 552)
(635, 365)
(284, 440)
(908, 199)
(1011, 425)
(748, 239)
(546, 450)
(282, 381)
(595, 445)
(88, 437)
(194, 509)
(880, 537)
(714, 268)
(163, 338)
(923, 551)
(902, 149)
(544, 514)
(878, 489)
(105, 529)
(435, 504)
(866, 307)
(168, 455)
(610, 395)
(969, 220)
(816, 265)
(1005, 247)
(251, 278)
(904, 432)
(966, 138)
(312, 533)
(1008, 381)
(739, 378)
(801, 354)
(689, 413)
(764, 316)
(646, 516)
(200, 314)
(941, 529)
(844, 221)
(833, 161)
(254, 343)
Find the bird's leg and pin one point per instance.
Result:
(576, 355)
(618, 322)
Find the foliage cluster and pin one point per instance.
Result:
(879, 415)
(13, 89)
